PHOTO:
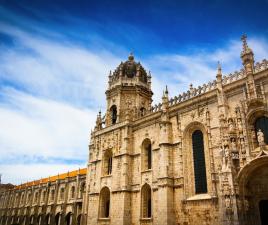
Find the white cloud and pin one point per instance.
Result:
(178, 71)
(50, 91)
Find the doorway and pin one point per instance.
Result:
(263, 206)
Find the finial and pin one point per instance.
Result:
(219, 67)
(219, 73)
(131, 56)
(244, 40)
(166, 92)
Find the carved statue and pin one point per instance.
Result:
(239, 125)
(231, 125)
(233, 144)
(227, 202)
(260, 137)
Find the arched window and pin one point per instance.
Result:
(262, 124)
(146, 201)
(47, 219)
(82, 189)
(105, 203)
(52, 195)
(113, 111)
(32, 220)
(199, 162)
(68, 218)
(146, 155)
(73, 192)
(57, 219)
(28, 197)
(39, 219)
(79, 219)
(108, 162)
(62, 194)
(36, 197)
(44, 196)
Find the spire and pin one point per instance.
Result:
(245, 44)
(166, 91)
(165, 98)
(247, 56)
(98, 121)
(219, 73)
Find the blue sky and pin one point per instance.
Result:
(55, 57)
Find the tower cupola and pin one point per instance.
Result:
(129, 92)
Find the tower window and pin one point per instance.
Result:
(262, 124)
(146, 155)
(105, 203)
(108, 162)
(199, 162)
(113, 114)
(146, 201)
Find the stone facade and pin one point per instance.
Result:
(194, 159)
(191, 159)
(54, 200)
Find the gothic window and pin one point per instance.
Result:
(82, 189)
(73, 192)
(146, 201)
(44, 196)
(68, 218)
(108, 162)
(199, 162)
(146, 155)
(79, 219)
(262, 124)
(62, 194)
(47, 219)
(52, 196)
(39, 219)
(57, 219)
(113, 111)
(105, 203)
(36, 197)
(28, 198)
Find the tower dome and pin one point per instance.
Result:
(129, 69)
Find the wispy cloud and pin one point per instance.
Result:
(51, 89)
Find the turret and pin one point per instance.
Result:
(129, 94)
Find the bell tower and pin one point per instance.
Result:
(129, 94)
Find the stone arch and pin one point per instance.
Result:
(188, 158)
(251, 118)
(253, 188)
(146, 201)
(113, 113)
(105, 203)
(146, 154)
